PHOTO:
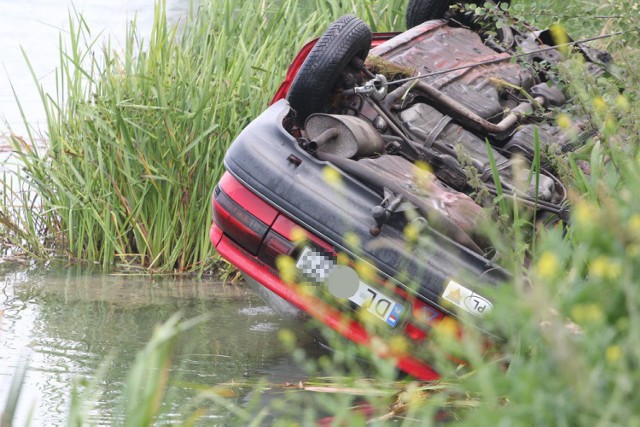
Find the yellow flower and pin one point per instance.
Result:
(447, 328)
(411, 232)
(560, 37)
(423, 166)
(287, 268)
(634, 224)
(332, 176)
(584, 213)
(613, 354)
(398, 345)
(342, 258)
(287, 338)
(599, 103)
(548, 266)
(622, 103)
(298, 235)
(352, 240)
(423, 174)
(564, 121)
(633, 250)
(365, 271)
(610, 124)
(587, 313)
(605, 268)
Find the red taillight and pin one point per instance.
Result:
(415, 333)
(273, 246)
(237, 223)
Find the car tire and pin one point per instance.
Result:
(419, 11)
(346, 38)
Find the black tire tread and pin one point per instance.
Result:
(419, 11)
(345, 39)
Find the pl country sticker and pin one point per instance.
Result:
(466, 299)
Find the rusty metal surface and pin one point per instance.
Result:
(356, 137)
(456, 206)
(435, 46)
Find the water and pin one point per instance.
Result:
(69, 322)
(35, 26)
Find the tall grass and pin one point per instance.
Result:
(137, 136)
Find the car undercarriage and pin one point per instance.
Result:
(365, 189)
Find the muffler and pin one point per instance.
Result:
(343, 136)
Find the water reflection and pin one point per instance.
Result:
(71, 322)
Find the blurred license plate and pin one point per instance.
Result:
(317, 267)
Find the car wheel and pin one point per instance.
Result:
(419, 11)
(346, 38)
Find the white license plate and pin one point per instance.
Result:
(377, 303)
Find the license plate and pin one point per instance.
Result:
(377, 303)
(317, 267)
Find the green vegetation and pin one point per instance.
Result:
(136, 137)
(136, 146)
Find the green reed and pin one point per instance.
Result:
(136, 136)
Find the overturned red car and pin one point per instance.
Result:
(358, 196)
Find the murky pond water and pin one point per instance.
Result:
(68, 322)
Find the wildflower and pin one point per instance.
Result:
(423, 166)
(613, 354)
(634, 225)
(287, 338)
(605, 268)
(610, 125)
(342, 258)
(398, 345)
(332, 176)
(287, 268)
(411, 232)
(447, 328)
(352, 240)
(633, 250)
(365, 271)
(564, 121)
(548, 266)
(587, 313)
(560, 37)
(584, 213)
(298, 235)
(622, 103)
(599, 103)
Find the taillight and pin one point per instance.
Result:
(273, 246)
(237, 223)
(415, 333)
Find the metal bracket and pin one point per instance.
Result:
(376, 88)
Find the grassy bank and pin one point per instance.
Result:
(137, 136)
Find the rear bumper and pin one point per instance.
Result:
(314, 306)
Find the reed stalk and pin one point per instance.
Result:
(137, 135)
